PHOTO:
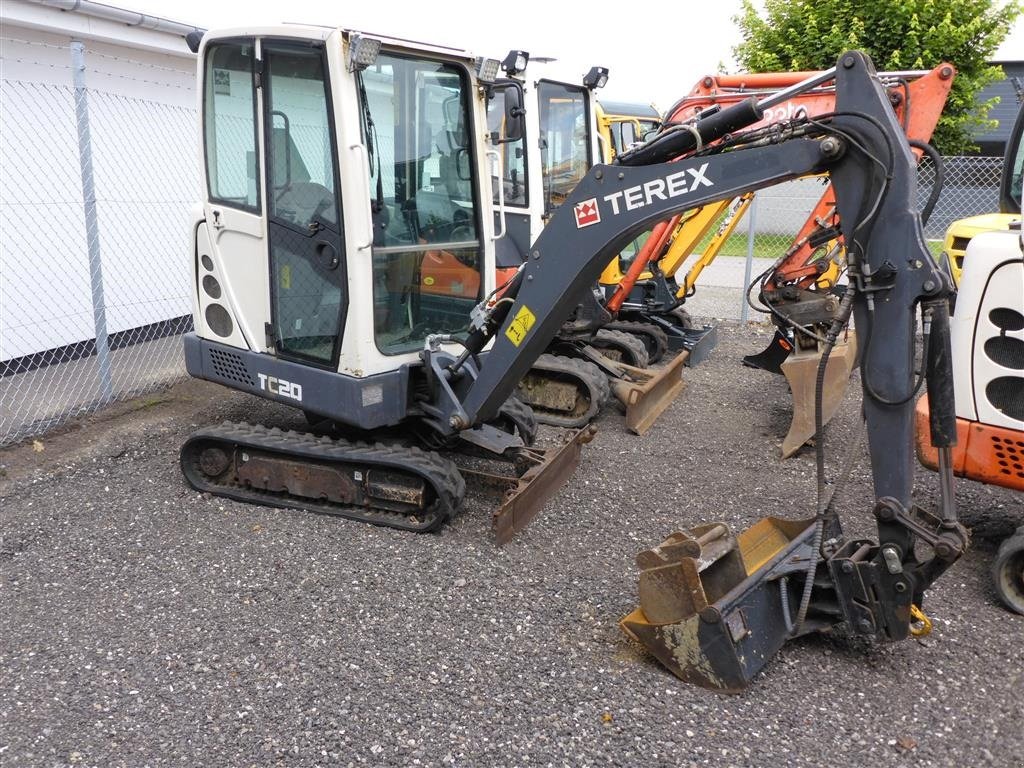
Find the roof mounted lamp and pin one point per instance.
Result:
(362, 52)
(597, 77)
(515, 62)
(487, 70)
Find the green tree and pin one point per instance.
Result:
(897, 34)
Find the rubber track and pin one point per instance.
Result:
(654, 339)
(439, 473)
(632, 347)
(598, 389)
(682, 318)
(522, 415)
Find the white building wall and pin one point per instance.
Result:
(141, 98)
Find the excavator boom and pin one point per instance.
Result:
(782, 578)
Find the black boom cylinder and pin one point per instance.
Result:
(941, 405)
(680, 140)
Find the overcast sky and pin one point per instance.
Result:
(655, 51)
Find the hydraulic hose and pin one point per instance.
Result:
(840, 320)
(940, 177)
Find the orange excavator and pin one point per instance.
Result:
(800, 291)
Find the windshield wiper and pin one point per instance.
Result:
(372, 150)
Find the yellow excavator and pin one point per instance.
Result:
(961, 232)
(621, 124)
(335, 161)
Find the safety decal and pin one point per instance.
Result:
(521, 325)
(587, 213)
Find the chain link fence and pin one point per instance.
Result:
(95, 190)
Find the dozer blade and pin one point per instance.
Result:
(801, 371)
(715, 608)
(646, 393)
(546, 470)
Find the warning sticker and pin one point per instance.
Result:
(587, 213)
(521, 325)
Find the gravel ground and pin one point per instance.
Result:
(145, 624)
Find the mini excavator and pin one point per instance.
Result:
(303, 294)
(987, 340)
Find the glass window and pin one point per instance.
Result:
(1017, 170)
(624, 133)
(306, 248)
(229, 115)
(299, 148)
(427, 255)
(513, 153)
(564, 140)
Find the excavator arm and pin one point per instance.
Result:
(800, 576)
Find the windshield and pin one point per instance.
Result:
(427, 256)
(564, 140)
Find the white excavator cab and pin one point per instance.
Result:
(335, 166)
(558, 136)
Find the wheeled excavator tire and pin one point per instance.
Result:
(654, 339)
(564, 391)
(391, 485)
(1008, 571)
(621, 347)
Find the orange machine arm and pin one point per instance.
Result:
(925, 95)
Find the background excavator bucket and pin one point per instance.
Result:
(648, 393)
(801, 371)
(715, 608)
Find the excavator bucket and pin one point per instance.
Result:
(646, 393)
(714, 608)
(801, 371)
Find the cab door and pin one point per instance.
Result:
(306, 252)
(231, 291)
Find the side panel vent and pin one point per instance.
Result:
(997, 365)
(1009, 456)
(230, 367)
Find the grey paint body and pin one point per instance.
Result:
(367, 403)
